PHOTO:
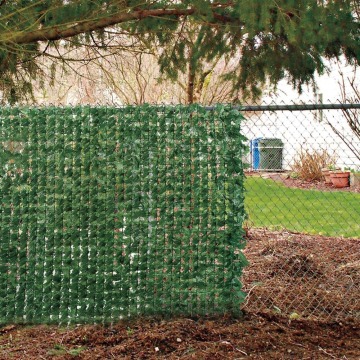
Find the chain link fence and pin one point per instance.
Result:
(59, 208)
(304, 230)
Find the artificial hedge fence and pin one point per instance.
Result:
(108, 213)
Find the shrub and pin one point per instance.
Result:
(308, 164)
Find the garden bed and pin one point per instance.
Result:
(301, 184)
(281, 320)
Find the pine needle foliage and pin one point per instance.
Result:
(271, 39)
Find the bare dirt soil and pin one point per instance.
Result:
(303, 303)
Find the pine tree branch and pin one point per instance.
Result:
(58, 32)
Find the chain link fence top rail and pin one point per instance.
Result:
(108, 213)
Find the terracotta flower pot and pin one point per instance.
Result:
(340, 179)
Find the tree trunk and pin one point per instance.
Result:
(191, 79)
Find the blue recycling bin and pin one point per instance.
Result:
(255, 153)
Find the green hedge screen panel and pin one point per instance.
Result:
(108, 213)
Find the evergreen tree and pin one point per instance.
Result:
(275, 39)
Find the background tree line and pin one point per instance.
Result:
(254, 43)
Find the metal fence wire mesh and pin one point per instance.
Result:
(304, 237)
(289, 147)
(299, 276)
(108, 213)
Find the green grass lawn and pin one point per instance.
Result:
(271, 204)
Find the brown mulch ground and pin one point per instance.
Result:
(254, 336)
(313, 276)
(303, 303)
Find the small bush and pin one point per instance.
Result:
(307, 165)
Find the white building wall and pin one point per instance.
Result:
(307, 130)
